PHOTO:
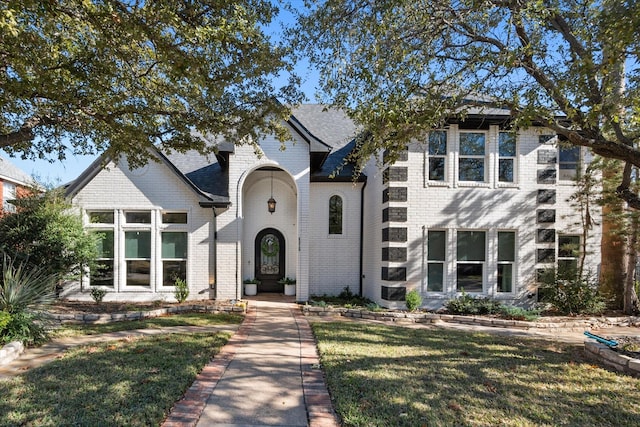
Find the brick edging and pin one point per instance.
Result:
(320, 411)
(187, 411)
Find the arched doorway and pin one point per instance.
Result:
(270, 260)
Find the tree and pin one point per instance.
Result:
(117, 76)
(46, 235)
(401, 67)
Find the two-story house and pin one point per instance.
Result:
(470, 207)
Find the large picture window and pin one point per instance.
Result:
(470, 261)
(335, 215)
(102, 273)
(472, 157)
(506, 260)
(436, 249)
(174, 257)
(437, 155)
(138, 258)
(506, 157)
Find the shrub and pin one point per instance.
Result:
(182, 291)
(413, 300)
(518, 313)
(26, 327)
(97, 294)
(467, 304)
(24, 292)
(569, 294)
(5, 318)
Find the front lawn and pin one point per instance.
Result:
(393, 376)
(132, 382)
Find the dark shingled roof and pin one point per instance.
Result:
(330, 134)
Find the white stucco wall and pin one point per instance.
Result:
(335, 258)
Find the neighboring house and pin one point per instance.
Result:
(13, 183)
(469, 208)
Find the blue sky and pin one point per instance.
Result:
(61, 172)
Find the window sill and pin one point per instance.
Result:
(508, 185)
(472, 184)
(437, 184)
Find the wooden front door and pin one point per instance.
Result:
(269, 260)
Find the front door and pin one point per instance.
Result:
(269, 262)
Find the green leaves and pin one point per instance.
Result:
(400, 68)
(120, 76)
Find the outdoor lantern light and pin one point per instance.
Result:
(271, 203)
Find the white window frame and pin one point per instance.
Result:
(506, 262)
(513, 159)
(482, 263)
(577, 164)
(97, 227)
(9, 191)
(442, 263)
(560, 258)
(484, 157)
(172, 227)
(444, 156)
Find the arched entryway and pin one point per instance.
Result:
(269, 261)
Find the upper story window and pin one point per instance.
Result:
(569, 162)
(472, 157)
(8, 193)
(437, 155)
(335, 215)
(506, 157)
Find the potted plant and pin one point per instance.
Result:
(289, 285)
(251, 287)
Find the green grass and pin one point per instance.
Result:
(392, 376)
(132, 382)
(187, 319)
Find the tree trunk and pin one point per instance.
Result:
(630, 296)
(612, 244)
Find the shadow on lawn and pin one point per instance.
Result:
(126, 382)
(386, 375)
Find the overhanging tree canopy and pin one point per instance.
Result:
(400, 67)
(120, 75)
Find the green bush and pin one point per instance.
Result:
(182, 291)
(518, 313)
(569, 294)
(413, 300)
(467, 304)
(5, 318)
(97, 294)
(26, 327)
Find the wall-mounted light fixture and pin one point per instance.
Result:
(271, 203)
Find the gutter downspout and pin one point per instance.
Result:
(362, 237)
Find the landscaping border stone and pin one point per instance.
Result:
(612, 359)
(428, 317)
